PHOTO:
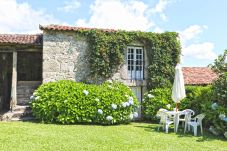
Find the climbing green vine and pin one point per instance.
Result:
(106, 53)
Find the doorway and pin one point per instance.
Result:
(137, 90)
(6, 60)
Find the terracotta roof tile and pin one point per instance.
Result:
(70, 28)
(198, 75)
(21, 39)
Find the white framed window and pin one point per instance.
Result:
(135, 63)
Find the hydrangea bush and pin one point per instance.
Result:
(154, 100)
(70, 102)
(218, 112)
(198, 97)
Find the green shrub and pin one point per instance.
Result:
(217, 113)
(71, 102)
(220, 89)
(154, 100)
(197, 97)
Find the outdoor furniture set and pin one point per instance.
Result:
(174, 117)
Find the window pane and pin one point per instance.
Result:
(135, 63)
(129, 50)
(132, 56)
(138, 51)
(132, 62)
(132, 51)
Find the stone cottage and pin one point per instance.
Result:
(28, 60)
(65, 57)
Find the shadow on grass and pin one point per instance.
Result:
(35, 121)
(207, 136)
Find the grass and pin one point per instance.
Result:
(30, 136)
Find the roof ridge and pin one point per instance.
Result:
(37, 34)
(73, 28)
(34, 39)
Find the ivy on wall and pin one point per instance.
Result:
(107, 53)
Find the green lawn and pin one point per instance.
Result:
(136, 136)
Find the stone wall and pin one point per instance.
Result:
(64, 56)
(25, 90)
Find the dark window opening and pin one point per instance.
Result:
(29, 66)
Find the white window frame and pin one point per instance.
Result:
(135, 62)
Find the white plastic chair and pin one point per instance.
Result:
(195, 122)
(188, 113)
(165, 120)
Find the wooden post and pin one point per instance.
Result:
(177, 107)
(13, 101)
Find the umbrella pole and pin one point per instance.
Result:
(177, 106)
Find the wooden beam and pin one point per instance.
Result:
(10, 50)
(13, 101)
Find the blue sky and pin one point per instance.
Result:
(201, 24)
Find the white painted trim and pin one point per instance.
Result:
(133, 74)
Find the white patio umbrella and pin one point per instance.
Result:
(178, 90)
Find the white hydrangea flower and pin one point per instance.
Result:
(213, 130)
(221, 116)
(127, 104)
(38, 97)
(214, 106)
(130, 102)
(109, 81)
(150, 96)
(35, 94)
(109, 118)
(135, 114)
(130, 98)
(131, 116)
(32, 97)
(225, 134)
(123, 104)
(100, 111)
(85, 92)
(114, 106)
(168, 106)
(96, 99)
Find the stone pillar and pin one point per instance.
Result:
(14, 82)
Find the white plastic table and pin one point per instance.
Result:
(176, 115)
